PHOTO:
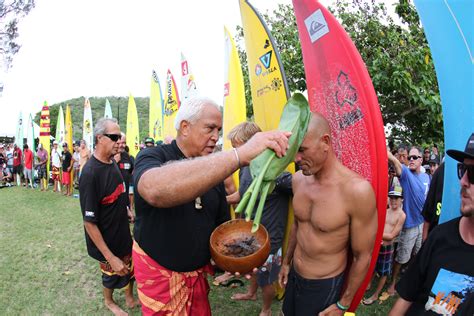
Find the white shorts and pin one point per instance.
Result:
(28, 174)
(409, 242)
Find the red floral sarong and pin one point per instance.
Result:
(165, 292)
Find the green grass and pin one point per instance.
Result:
(45, 269)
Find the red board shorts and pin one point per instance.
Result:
(66, 177)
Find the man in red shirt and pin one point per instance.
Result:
(28, 164)
(17, 166)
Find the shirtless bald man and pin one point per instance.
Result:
(334, 209)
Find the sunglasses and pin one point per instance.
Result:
(462, 168)
(113, 137)
(413, 157)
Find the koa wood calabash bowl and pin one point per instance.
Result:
(234, 248)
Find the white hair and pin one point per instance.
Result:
(190, 110)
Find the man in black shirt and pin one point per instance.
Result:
(125, 164)
(440, 281)
(104, 209)
(432, 207)
(67, 167)
(179, 201)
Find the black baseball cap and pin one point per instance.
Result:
(467, 153)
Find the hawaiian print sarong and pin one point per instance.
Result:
(165, 292)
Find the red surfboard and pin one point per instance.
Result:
(339, 87)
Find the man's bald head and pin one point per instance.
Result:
(316, 146)
(318, 125)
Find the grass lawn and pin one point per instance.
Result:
(45, 269)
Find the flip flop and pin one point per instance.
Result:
(232, 283)
(368, 302)
(385, 296)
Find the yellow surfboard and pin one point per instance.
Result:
(68, 135)
(234, 95)
(133, 136)
(45, 134)
(171, 106)
(155, 127)
(267, 82)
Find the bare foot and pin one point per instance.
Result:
(266, 313)
(391, 290)
(369, 301)
(244, 297)
(131, 302)
(222, 278)
(114, 308)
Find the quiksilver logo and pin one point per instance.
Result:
(316, 25)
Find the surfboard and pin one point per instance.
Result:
(30, 135)
(268, 85)
(155, 127)
(339, 87)
(60, 129)
(108, 109)
(449, 29)
(19, 131)
(171, 106)
(45, 133)
(68, 135)
(68, 129)
(133, 132)
(188, 82)
(87, 126)
(234, 106)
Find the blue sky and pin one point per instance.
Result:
(448, 281)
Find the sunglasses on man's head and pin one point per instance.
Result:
(413, 157)
(113, 137)
(462, 168)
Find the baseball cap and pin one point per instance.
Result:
(55, 143)
(434, 159)
(396, 191)
(149, 140)
(467, 153)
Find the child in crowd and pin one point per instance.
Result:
(394, 220)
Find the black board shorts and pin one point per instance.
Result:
(309, 297)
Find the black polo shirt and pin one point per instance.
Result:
(176, 237)
(104, 203)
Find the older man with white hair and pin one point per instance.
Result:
(179, 200)
(104, 209)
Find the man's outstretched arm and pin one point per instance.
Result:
(194, 177)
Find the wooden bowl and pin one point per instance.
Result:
(229, 232)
